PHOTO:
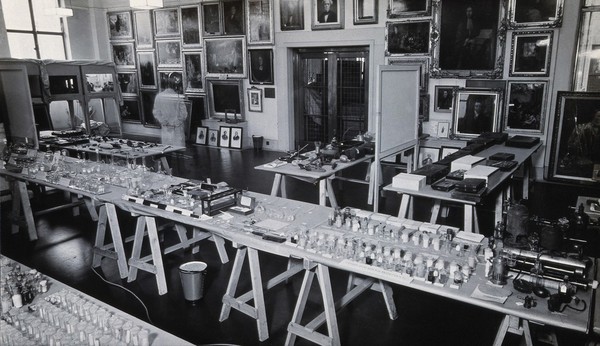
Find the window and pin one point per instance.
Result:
(587, 65)
(31, 32)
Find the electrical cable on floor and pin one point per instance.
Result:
(128, 290)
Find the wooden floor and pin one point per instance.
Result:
(64, 252)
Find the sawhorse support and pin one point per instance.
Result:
(114, 250)
(519, 326)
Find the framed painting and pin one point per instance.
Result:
(211, 18)
(166, 22)
(128, 83)
(233, 17)
(225, 97)
(213, 137)
(197, 114)
(530, 53)
(225, 56)
(366, 12)
(260, 22)
(424, 107)
(255, 99)
(445, 151)
(130, 111)
(201, 135)
(443, 130)
(123, 55)
(525, 106)
(99, 82)
(261, 66)
(171, 80)
(148, 119)
(586, 75)
(469, 38)
(143, 30)
(291, 15)
(193, 72)
(428, 155)
(407, 37)
(237, 136)
(476, 111)
(443, 98)
(190, 27)
(575, 147)
(535, 13)
(421, 61)
(119, 25)
(147, 68)
(327, 14)
(169, 53)
(224, 136)
(408, 8)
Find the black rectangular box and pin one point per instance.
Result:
(502, 157)
(470, 185)
(519, 141)
(433, 172)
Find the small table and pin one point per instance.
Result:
(324, 178)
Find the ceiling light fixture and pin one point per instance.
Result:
(146, 4)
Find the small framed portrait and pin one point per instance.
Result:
(408, 37)
(525, 106)
(443, 98)
(143, 29)
(201, 135)
(148, 119)
(408, 8)
(193, 72)
(233, 17)
(147, 68)
(166, 22)
(130, 111)
(291, 15)
(123, 55)
(128, 83)
(169, 53)
(225, 56)
(224, 136)
(445, 151)
(476, 111)
(260, 22)
(119, 24)
(423, 62)
(327, 14)
(213, 137)
(442, 131)
(428, 155)
(225, 98)
(171, 80)
(535, 13)
(254, 99)
(211, 18)
(190, 27)
(261, 66)
(424, 107)
(575, 146)
(530, 53)
(237, 135)
(366, 12)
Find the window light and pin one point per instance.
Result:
(146, 4)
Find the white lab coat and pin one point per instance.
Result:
(170, 111)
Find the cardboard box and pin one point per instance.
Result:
(466, 162)
(409, 181)
(491, 175)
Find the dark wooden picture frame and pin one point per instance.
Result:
(261, 66)
(446, 150)
(225, 56)
(144, 38)
(166, 22)
(213, 137)
(130, 111)
(408, 8)
(147, 70)
(260, 22)
(467, 103)
(211, 19)
(327, 14)
(128, 83)
(424, 107)
(147, 97)
(225, 97)
(366, 12)
(541, 13)
(433, 155)
(190, 27)
(411, 37)
(291, 15)
(168, 53)
(120, 25)
(526, 106)
(530, 53)
(123, 55)
(444, 98)
(237, 137)
(224, 136)
(201, 135)
(193, 75)
(233, 17)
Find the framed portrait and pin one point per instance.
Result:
(254, 99)
(190, 27)
(201, 135)
(147, 68)
(261, 66)
(260, 22)
(445, 151)
(476, 111)
(327, 14)
(423, 62)
(147, 97)
(575, 147)
(213, 137)
(525, 106)
(224, 136)
(171, 79)
(143, 29)
(225, 56)
(130, 111)
(233, 17)
(530, 53)
(408, 8)
(123, 55)
(366, 12)
(237, 135)
(291, 15)
(193, 72)
(428, 155)
(536, 13)
(128, 83)
(469, 38)
(424, 107)
(119, 25)
(169, 53)
(225, 97)
(211, 18)
(166, 22)
(407, 37)
(442, 131)
(443, 96)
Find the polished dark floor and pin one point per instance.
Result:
(64, 253)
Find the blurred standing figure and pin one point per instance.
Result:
(171, 112)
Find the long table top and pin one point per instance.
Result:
(290, 169)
